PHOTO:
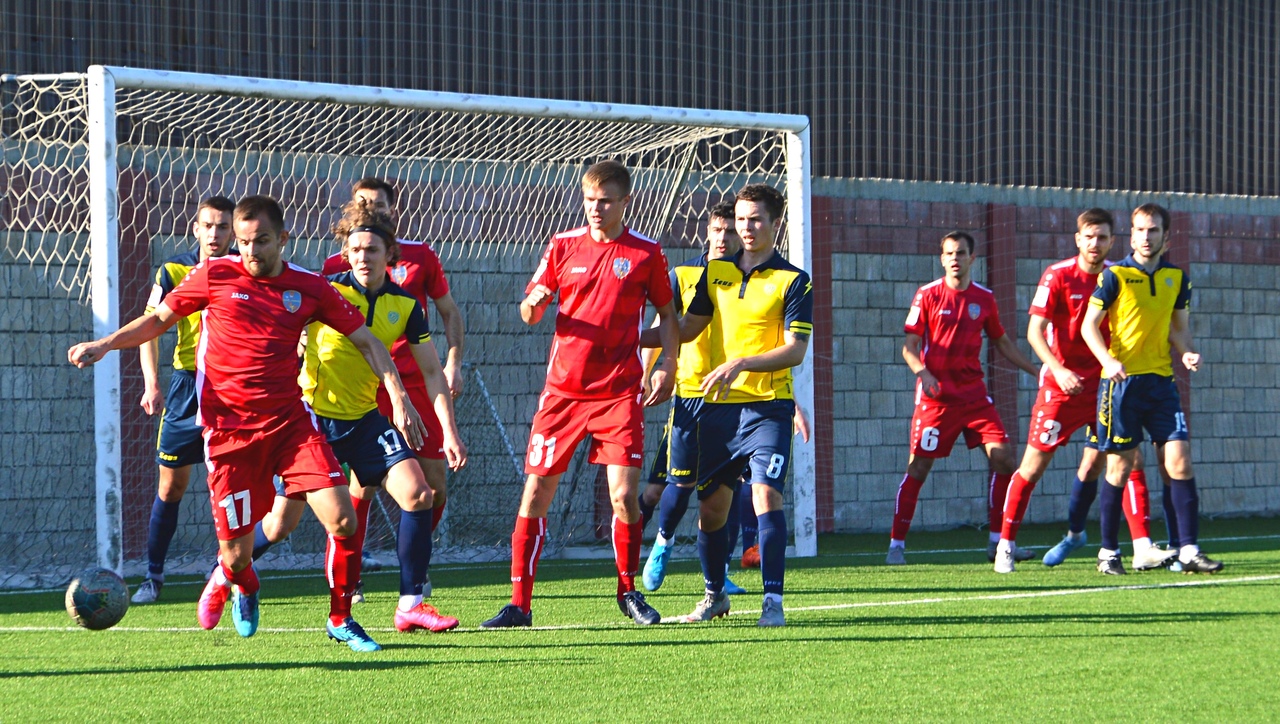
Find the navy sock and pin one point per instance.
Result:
(747, 518)
(1186, 503)
(260, 543)
(732, 522)
(413, 544)
(646, 512)
(1082, 495)
(1170, 516)
(712, 553)
(1110, 513)
(160, 530)
(671, 509)
(773, 550)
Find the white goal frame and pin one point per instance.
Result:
(104, 236)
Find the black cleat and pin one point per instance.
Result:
(632, 604)
(509, 617)
(1201, 564)
(1111, 566)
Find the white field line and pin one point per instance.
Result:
(1205, 581)
(392, 569)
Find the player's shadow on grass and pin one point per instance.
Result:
(1038, 619)
(360, 664)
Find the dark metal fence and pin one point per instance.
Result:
(1137, 94)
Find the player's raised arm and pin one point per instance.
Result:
(405, 418)
(1068, 381)
(912, 344)
(139, 331)
(1009, 350)
(441, 399)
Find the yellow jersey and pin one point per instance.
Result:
(1139, 308)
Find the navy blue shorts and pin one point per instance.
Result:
(181, 439)
(658, 471)
(711, 443)
(370, 446)
(1139, 402)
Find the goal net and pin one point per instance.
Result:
(102, 173)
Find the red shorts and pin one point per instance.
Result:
(1056, 416)
(241, 464)
(616, 426)
(433, 444)
(935, 427)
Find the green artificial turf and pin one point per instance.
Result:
(943, 638)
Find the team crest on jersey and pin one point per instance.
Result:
(621, 268)
(399, 274)
(974, 310)
(292, 300)
(393, 317)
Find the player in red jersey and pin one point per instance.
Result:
(944, 339)
(1067, 399)
(603, 274)
(256, 426)
(420, 273)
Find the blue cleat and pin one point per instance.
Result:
(1065, 547)
(352, 635)
(730, 587)
(244, 612)
(655, 569)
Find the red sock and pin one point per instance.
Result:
(626, 553)
(436, 514)
(905, 510)
(362, 519)
(1015, 506)
(526, 548)
(995, 501)
(1136, 505)
(246, 579)
(342, 566)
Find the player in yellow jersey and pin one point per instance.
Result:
(180, 444)
(758, 308)
(342, 393)
(1146, 300)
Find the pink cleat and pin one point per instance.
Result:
(212, 601)
(424, 615)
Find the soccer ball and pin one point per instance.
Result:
(97, 599)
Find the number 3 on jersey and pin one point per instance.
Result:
(234, 519)
(540, 447)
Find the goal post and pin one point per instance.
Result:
(485, 179)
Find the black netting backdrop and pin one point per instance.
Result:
(1168, 95)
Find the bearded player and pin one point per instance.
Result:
(1067, 398)
(256, 306)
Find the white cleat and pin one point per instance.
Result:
(896, 557)
(1004, 559)
(1153, 558)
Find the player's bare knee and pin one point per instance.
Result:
(652, 494)
(173, 483)
(919, 467)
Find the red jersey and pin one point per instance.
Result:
(418, 272)
(1062, 298)
(951, 323)
(247, 361)
(603, 287)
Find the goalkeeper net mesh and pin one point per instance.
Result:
(486, 190)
